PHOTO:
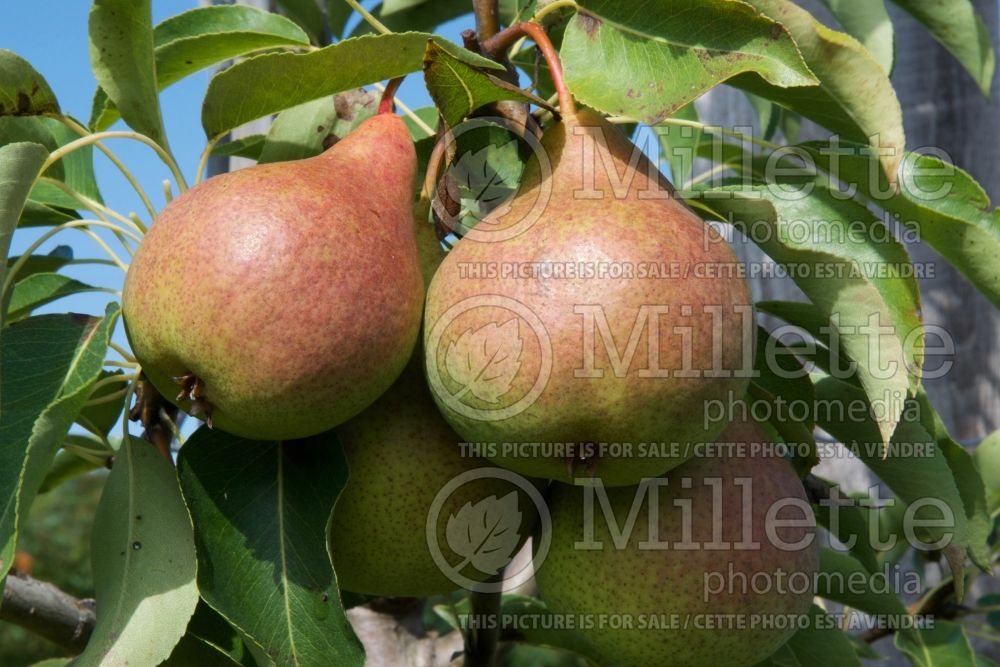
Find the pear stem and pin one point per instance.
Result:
(385, 105)
(506, 38)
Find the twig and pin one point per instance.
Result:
(484, 633)
(47, 611)
(499, 44)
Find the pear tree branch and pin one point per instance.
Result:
(47, 611)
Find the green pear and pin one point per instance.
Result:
(593, 308)
(283, 298)
(687, 561)
(400, 454)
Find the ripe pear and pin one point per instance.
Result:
(701, 565)
(400, 453)
(286, 297)
(594, 308)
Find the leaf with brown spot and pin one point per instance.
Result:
(23, 91)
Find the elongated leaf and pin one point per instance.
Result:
(121, 54)
(23, 91)
(36, 214)
(299, 132)
(459, 89)
(248, 147)
(31, 129)
(849, 523)
(39, 289)
(19, 166)
(869, 23)
(261, 511)
(944, 645)
(987, 458)
(338, 13)
(422, 18)
(925, 474)
(202, 37)
(47, 367)
(970, 484)
(957, 26)
(144, 562)
(943, 204)
(678, 144)
(615, 53)
(853, 585)
(66, 466)
(819, 644)
(272, 82)
(855, 98)
(308, 15)
(853, 271)
(57, 258)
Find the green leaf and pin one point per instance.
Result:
(47, 367)
(615, 53)
(852, 269)
(202, 37)
(338, 13)
(967, 478)
(422, 18)
(868, 22)
(819, 644)
(36, 214)
(57, 258)
(459, 89)
(23, 91)
(427, 114)
(308, 15)
(272, 82)
(100, 418)
(393, 6)
(943, 645)
(923, 476)
(31, 129)
(208, 626)
(678, 143)
(261, 512)
(299, 132)
(782, 383)
(142, 551)
(958, 28)
(849, 523)
(987, 458)
(852, 584)
(193, 651)
(943, 204)
(19, 167)
(248, 147)
(78, 165)
(121, 54)
(855, 98)
(512, 11)
(39, 289)
(66, 466)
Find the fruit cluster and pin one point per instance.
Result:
(286, 301)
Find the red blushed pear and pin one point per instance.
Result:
(594, 308)
(279, 301)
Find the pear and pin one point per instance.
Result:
(701, 566)
(283, 298)
(400, 454)
(593, 308)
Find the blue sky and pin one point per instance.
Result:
(52, 35)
